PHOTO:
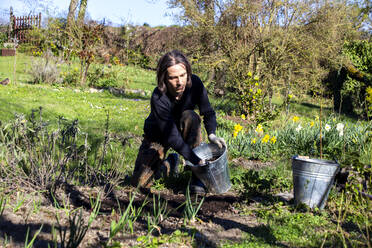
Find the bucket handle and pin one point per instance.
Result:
(338, 167)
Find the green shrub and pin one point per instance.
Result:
(359, 78)
(3, 39)
(71, 77)
(101, 76)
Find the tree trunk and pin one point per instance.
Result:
(82, 10)
(71, 12)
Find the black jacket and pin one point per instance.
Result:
(162, 125)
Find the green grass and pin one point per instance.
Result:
(126, 115)
(134, 77)
(23, 63)
(140, 78)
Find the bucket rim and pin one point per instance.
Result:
(316, 161)
(207, 164)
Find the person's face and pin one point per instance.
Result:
(177, 78)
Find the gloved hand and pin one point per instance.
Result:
(217, 140)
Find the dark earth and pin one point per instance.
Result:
(221, 218)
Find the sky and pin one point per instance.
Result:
(137, 12)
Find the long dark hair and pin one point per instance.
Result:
(167, 60)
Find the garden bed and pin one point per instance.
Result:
(218, 219)
(8, 52)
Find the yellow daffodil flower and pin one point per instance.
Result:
(273, 140)
(259, 128)
(265, 138)
(253, 141)
(235, 133)
(295, 118)
(238, 128)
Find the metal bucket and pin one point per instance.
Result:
(215, 174)
(312, 180)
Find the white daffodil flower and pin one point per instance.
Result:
(340, 127)
(327, 127)
(298, 128)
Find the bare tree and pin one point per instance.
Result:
(72, 12)
(82, 10)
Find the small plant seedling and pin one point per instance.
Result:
(191, 208)
(159, 214)
(19, 202)
(31, 243)
(3, 201)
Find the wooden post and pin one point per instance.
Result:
(11, 23)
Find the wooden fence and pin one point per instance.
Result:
(20, 25)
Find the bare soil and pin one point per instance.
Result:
(220, 219)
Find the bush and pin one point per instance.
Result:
(46, 69)
(359, 75)
(3, 39)
(71, 76)
(101, 76)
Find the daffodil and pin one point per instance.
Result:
(238, 128)
(265, 138)
(327, 127)
(235, 133)
(312, 123)
(299, 127)
(259, 129)
(253, 141)
(295, 118)
(273, 140)
(249, 74)
(340, 129)
(242, 116)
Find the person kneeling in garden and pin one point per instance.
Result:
(173, 123)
